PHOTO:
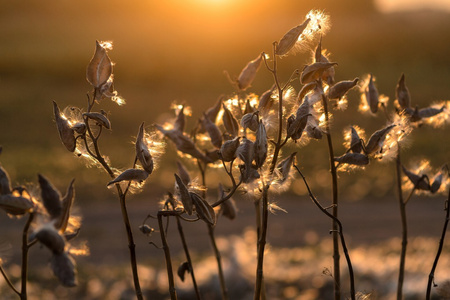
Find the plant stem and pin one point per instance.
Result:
(402, 204)
(172, 290)
(336, 255)
(262, 244)
(25, 248)
(441, 245)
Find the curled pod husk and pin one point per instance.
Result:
(437, 182)
(230, 122)
(350, 158)
(5, 183)
(15, 205)
(266, 100)
(288, 41)
(66, 205)
(137, 175)
(413, 114)
(355, 141)
(50, 238)
(248, 108)
(260, 145)
(183, 269)
(327, 75)
(203, 209)
(246, 153)
(428, 112)
(180, 121)
(212, 155)
(228, 149)
(184, 174)
(341, 88)
(228, 207)
(371, 93)
(313, 131)
(250, 120)
(79, 128)
(377, 139)
(248, 74)
(297, 124)
(64, 268)
(420, 182)
(66, 133)
(142, 152)
(305, 90)
(213, 131)
(284, 167)
(213, 111)
(402, 93)
(185, 197)
(99, 68)
(314, 71)
(100, 118)
(51, 197)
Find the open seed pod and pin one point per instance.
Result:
(184, 195)
(142, 152)
(137, 175)
(99, 68)
(288, 41)
(66, 133)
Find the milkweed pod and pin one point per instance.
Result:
(228, 207)
(228, 149)
(183, 269)
(184, 174)
(428, 112)
(142, 152)
(248, 108)
(51, 197)
(50, 238)
(246, 153)
(203, 209)
(5, 183)
(137, 175)
(260, 145)
(413, 114)
(318, 53)
(402, 93)
(341, 88)
(79, 128)
(212, 155)
(99, 68)
(213, 131)
(64, 268)
(213, 111)
(355, 141)
(284, 167)
(420, 182)
(66, 205)
(288, 41)
(100, 118)
(180, 121)
(314, 71)
(303, 109)
(437, 182)
(250, 120)
(313, 132)
(266, 100)
(66, 133)
(15, 205)
(305, 90)
(350, 158)
(185, 197)
(377, 139)
(145, 229)
(230, 122)
(248, 74)
(295, 127)
(372, 95)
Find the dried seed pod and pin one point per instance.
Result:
(437, 182)
(248, 108)
(66, 133)
(184, 174)
(203, 209)
(305, 90)
(228, 207)
(247, 74)
(228, 149)
(50, 238)
(99, 68)
(341, 88)
(70, 236)
(230, 122)
(350, 158)
(79, 128)
(288, 41)
(213, 111)
(100, 118)
(64, 267)
(246, 153)
(66, 205)
(402, 93)
(15, 205)
(420, 182)
(314, 71)
(313, 131)
(355, 141)
(297, 124)
(250, 120)
(180, 121)
(5, 183)
(183, 269)
(377, 139)
(213, 155)
(142, 152)
(130, 175)
(184, 195)
(371, 93)
(266, 100)
(51, 197)
(213, 131)
(328, 74)
(428, 112)
(260, 145)
(413, 114)
(284, 166)
(145, 229)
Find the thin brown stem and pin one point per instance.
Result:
(261, 245)
(172, 290)
(8, 281)
(25, 248)
(402, 204)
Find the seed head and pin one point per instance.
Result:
(250, 120)
(314, 71)
(185, 197)
(341, 88)
(203, 209)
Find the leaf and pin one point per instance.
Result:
(66, 133)
(99, 68)
(314, 71)
(130, 175)
(51, 197)
(248, 74)
(142, 152)
(100, 118)
(184, 195)
(288, 41)
(203, 209)
(64, 268)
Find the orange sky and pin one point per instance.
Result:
(402, 5)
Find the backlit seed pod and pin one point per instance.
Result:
(185, 197)
(314, 71)
(142, 152)
(137, 175)
(212, 155)
(247, 74)
(227, 208)
(371, 93)
(305, 90)
(288, 41)
(213, 131)
(99, 68)
(51, 197)
(355, 141)
(377, 139)
(145, 229)
(402, 93)
(230, 122)
(183, 269)
(250, 121)
(100, 118)
(428, 112)
(284, 167)
(350, 158)
(66, 133)
(246, 153)
(50, 238)
(203, 209)
(64, 268)
(313, 132)
(66, 205)
(184, 174)
(248, 173)
(420, 182)
(260, 145)
(213, 111)
(79, 128)
(248, 108)
(297, 124)
(266, 101)
(328, 74)
(228, 149)
(15, 205)
(180, 121)
(437, 181)
(413, 114)
(341, 88)
(5, 183)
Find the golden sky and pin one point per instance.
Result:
(406, 5)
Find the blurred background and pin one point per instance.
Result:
(176, 51)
